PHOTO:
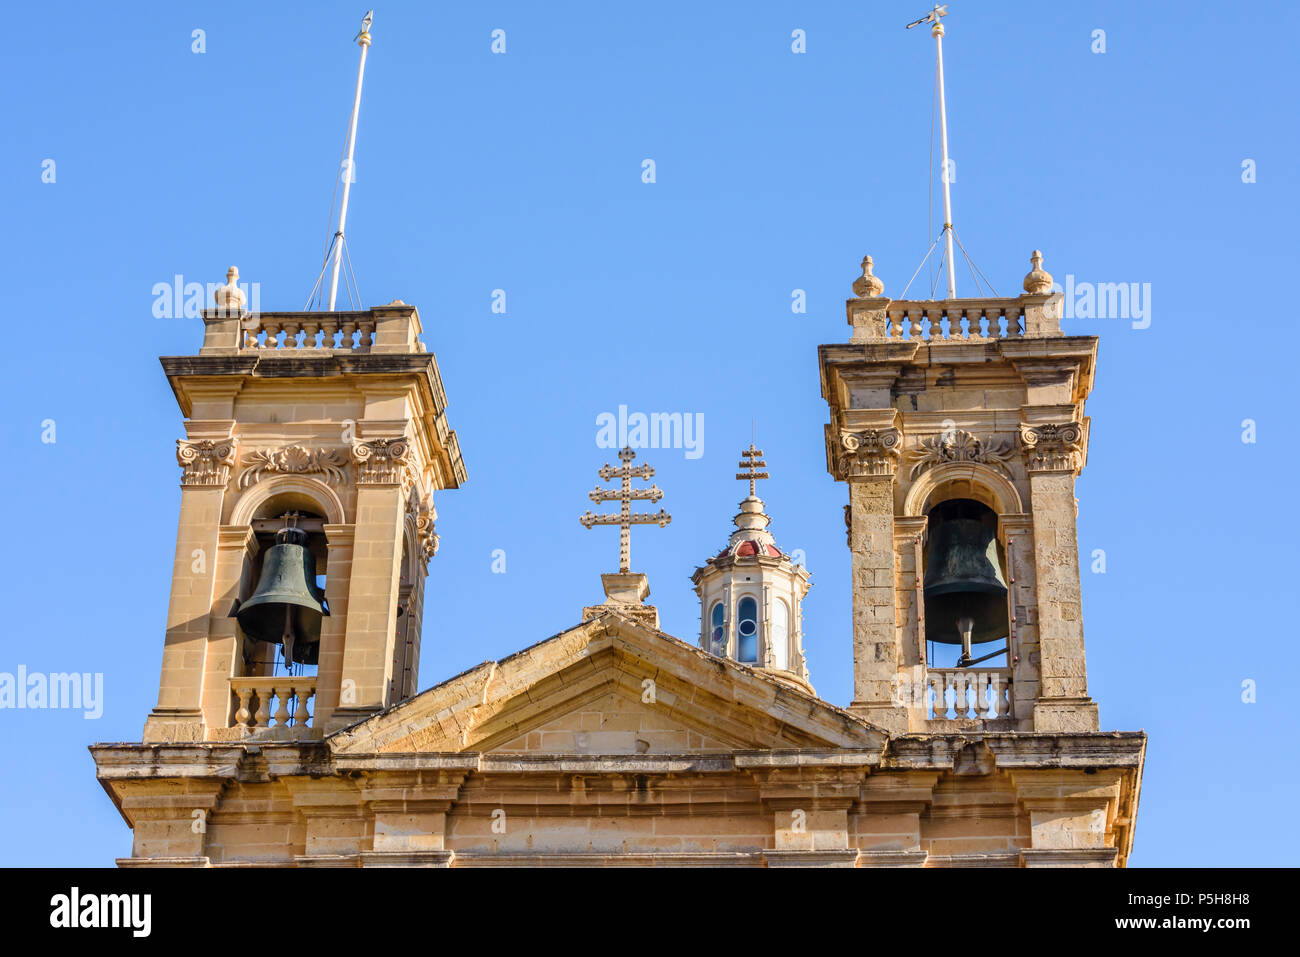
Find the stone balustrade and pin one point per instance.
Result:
(394, 328)
(291, 698)
(349, 331)
(954, 320)
(983, 693)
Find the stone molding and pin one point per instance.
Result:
(295, 460)
(206, 462)
(1051, 447)
(829, 857)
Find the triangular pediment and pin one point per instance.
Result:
(609, 686)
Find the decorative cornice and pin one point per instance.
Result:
(870, 452)
(381, 461)
(1051, 447)
(294, 460)
(207, 462)
(958, 445)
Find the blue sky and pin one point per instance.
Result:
(775, 172)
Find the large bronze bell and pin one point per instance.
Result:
(287, 607)
(965, 591)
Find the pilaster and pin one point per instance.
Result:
(868, 460)
(1052, 455)
(205, 472)
(376, 572)
(329, 669)
(237, 547)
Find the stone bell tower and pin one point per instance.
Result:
(974, 405)
(336, 418)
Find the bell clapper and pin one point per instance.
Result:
(965, 626)
(288, 639)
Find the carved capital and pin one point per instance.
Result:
(294, 460)
(1051, 448)
(424, 515)
(958, 445)
(381, 461)
(869, 452)
(205, 462)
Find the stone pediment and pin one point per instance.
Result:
(608, 686)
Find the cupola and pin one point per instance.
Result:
(751, 592)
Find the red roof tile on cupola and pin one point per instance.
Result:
(750, 548)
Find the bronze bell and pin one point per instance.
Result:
(287, 607)
(965, 591)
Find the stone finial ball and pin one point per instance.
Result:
(867, 286)
(1038, 280)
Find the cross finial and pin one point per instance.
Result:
(931, 17)
(751, 460)
(625, 495)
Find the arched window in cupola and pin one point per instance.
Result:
(747, 630)
(780, 636)
(717, 637)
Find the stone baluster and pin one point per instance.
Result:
(263, 716)
(303, 693)
(962, 706)
(940, 682)
(243, 715)
(282, 704)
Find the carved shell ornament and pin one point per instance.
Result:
(958, 445)
(294, 460)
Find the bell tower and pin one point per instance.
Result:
(333, 424)
(959, 428)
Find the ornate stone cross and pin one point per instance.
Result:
(751, 459)
(625, 495)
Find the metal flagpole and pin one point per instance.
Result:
(363, 40)
(937, 32)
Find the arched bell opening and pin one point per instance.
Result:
(964, 584)
(282, 589)
(410, 599)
